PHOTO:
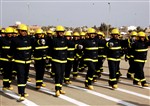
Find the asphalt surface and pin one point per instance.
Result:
(76, 94)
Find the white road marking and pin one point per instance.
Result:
(26, 102)
(71, 100)
(126, 91)
(104, 96)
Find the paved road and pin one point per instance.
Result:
(76, 94)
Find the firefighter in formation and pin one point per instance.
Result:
(66, 51)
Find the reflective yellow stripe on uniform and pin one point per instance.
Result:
(100, 47)
(71, 59)
(24, 48)
(67, 78)
(143, 80)
(23, 62)
(88, 59)
(141, 50)
(41, 47)
(60, 48)
(114, 79)
(136, 79)
(71, 49)
(4, 59)
(90, 78)
(59, 61)
(39, 80)
(5, 80)
(21, 85)
(49, 57)
(5, 47)
(39, 58)
(138, 60)
(57, 84)
(114, 59)
(115, 48)
(91, 48)
(102, 56)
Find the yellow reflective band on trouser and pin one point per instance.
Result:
(137, 60)
(60, 48)
(114, 59)
(132, 56)
(141, 50)
(49, 57)
(102, 56)
(57, 84)
(74, 72)
(88, 59)
(4, 59)
(143, 80)
(129, 73)
(67, 78)
(41, 47)
(24, 48)
(10, 81)
(14, 71)
(59, 61)
(71, 59)
(6, 80)
(90, 78)
(86, 80)
(39, 58)
(98, 71)
(71, 49)
(39, 80)
(91, 48)
(115, 48)
(21, 85)
(100, 47)
(114, 79)
(5, 47)
(78, 55)
(127, 56)
(23, 62)
(136, 79)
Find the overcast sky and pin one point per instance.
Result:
(75, 12)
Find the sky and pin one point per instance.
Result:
(75, 13)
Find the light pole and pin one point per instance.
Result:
(28, 6)
(109, 10)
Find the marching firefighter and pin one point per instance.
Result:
(113, 57)
(76, 38)
(140, 48)
(58, 52)
(6, 63)
(90, 56)
(129, 55)
(70, 57)
(40, 52)
(101, 54)
(20, 51)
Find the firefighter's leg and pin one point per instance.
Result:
(75, 69)
(68, 71)
(131, 68)
(63, 67)
(40, 69)
(21, 79)
(112, 74)
(118, 73)
(7, 76)
(136, 80)
(52, 73)
(90, 72)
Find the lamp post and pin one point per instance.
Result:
(28, 6)
(109, 9)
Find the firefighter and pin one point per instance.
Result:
(101, 54)
(129, 55)
(58, 52)
(20, 51)
(81, 64)
(6, 64)
(113, 57)
(140, 48)
(40, 52)
(70, 57)
(76, 38)
(90, 56)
